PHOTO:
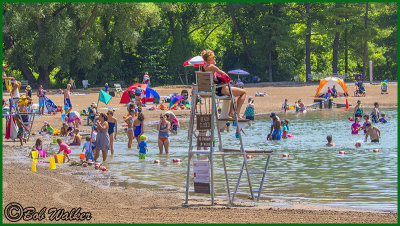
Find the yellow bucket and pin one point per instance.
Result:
(35, 154)
(60, 158)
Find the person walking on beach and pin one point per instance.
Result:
(112, 129)
(67, 99)
(146, 79)
(163, 127)
(220, 77)
(72, 82)
(41, 93)
(102, 139)
(373, 132)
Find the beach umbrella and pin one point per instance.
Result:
(238, 72)
(196, 61)
(175, 100)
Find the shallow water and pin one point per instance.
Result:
(313, 173)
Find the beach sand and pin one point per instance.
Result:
(60, 188)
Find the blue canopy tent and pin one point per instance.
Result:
(150, 95)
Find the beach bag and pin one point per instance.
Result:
(222, 78)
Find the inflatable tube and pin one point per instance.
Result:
(290, 135)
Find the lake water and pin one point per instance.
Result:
(313, 173)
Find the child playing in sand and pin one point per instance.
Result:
(38, 147)
(77, 138)
(64, 147)
(355, 127)
(65, 129)
(373, 132)
(142, 147)
(330, 142)
(88, 147)
(49, 129)
(383, 118)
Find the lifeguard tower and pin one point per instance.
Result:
(208, 119)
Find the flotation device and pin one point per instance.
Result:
(8, 85)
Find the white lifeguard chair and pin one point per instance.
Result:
(208, 120)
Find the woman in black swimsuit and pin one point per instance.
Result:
(240, 94)
(112, 129)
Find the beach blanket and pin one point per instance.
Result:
(51, 106)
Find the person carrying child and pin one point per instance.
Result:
(373, 132)
(375, 113)
(355, 127)
(142, 147)
(65, 148)
(77, 138)
(88, 147)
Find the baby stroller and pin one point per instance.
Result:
(360, 91)
(384, 87)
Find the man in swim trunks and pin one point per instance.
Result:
(67, 100)
(373, 132)
(275, 127)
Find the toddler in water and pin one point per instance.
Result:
(64, 147)
(142, 147)
(86, 147)
(355, 127)
(330, 142)
(382, 119)
(285, 128)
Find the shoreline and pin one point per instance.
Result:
(66, 187)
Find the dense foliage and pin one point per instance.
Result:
(47, 43)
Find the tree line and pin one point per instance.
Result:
(46, 43)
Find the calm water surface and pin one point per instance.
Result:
(313, 173)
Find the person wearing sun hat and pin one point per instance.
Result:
(142, 147)
(4, 73)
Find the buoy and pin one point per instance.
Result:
(156, 161)
(96, 166)
(342, 152)
(358, 144)
(376, 150)
(285, 155)
(249, 156)
(84, 164)
(52, 164)
(347, 104)
(103, 168)
(34, 165)
(177, 160)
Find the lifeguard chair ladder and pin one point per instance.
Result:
(205, 89)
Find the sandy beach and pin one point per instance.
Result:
(62, 189)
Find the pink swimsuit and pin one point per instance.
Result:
(354, 127)
(64, 147)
